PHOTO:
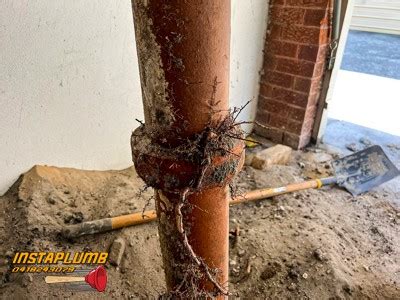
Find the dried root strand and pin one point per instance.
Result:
(198, 261)
(148, 201)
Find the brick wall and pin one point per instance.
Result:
(296, 50)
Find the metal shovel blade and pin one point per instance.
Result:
(364, 170)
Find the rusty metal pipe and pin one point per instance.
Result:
(183, 50)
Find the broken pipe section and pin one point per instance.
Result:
(183, 50)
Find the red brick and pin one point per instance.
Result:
(315, 17)
(262, 103)
(308, 3)
(266, 90)
(274, 107)
(263, 116)
(294, 127)
(301, 34)
(289, 97)
(295, 67)
(282, 48)
(277, 121)
(297, 114)
(274, 32)
(309, 52)
(285, 15)
(274, 134)
(295, 141)
(296, 51)
(291, 140)
(279, 79)
(302, 84)
(269, 62)
(314, 53)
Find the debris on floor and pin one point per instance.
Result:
(316, 244)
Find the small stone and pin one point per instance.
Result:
(318, 158)
(51, 200)
(74, 218)
(293, 273)
(317, 253)
(346, 287)
(235, 271)
(305, 275)
(292, 286)
(301, 165)
(352, 147)
(271, 270)
(268, 274)
(117, 251)
(248, 159)
(365, 142)
(241, 252)
(276, 155)
(393, 146)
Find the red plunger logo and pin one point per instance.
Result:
(96, 278)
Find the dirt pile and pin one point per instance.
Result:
(316, 244)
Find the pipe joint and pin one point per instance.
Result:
(208, 161)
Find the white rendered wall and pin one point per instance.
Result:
(69, 82)
(249, 24)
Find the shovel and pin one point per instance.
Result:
(357, 173)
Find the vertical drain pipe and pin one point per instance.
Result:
(189, 148)
(336, 27)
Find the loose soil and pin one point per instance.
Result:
(315, 244)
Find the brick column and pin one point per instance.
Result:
(296, 50)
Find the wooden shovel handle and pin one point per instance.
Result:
(103, 225)
(107, 224)
(271, 192)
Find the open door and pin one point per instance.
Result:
(343, 10)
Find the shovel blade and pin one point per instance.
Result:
(364, 170)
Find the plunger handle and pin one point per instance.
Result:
(63, 279)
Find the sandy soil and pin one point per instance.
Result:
(316, 244)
